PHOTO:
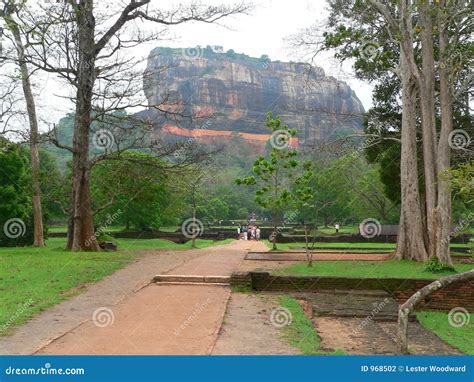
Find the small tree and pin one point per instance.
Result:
(303, 196)
(276, 174)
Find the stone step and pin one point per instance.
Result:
(192, 279)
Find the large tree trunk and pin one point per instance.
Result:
(444, 152)
(426, 82)
(81, 219)
(34, 154)
(411, 240)
(411, 303)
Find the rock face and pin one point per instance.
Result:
(229, 95)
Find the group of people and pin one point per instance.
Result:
(248, 232)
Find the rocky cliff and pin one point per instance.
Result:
(229, 95)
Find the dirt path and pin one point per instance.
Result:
(247, 328)
(161, 319)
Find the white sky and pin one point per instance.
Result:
(262, 32)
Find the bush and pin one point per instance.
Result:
(435, 266)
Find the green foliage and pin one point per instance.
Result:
(54, 187)
(135, 188)
(15, 199)
(462, 181)
(275, 176)
(435, 266)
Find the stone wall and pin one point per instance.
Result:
(455, 295)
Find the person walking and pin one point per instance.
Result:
(257, 233)
(238, 233)
(245, 232)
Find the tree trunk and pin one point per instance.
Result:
(309, 254)
(275, 229)
(444, 152)
(82, 225)
(414, 300)
(33, 121)
(428, 120)
(411, 243)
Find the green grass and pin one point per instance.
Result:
(152, 244)
(300, 333)
(33, 279)
(360, 246)
(461, 337)
(343, 229)
(287, 246)
(367, 269)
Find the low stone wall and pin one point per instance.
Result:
(455, 295)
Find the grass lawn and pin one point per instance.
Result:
(287, 246)
(300, 333)
(367, 269)
(369, 247)
(461, 337)
(144, 244)
(343, 229)
(33, 279)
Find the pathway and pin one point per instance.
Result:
(161, 318)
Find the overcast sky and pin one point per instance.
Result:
(262, 32)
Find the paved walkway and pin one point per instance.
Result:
(162, 319)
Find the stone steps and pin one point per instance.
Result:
(192, 279)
